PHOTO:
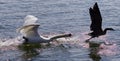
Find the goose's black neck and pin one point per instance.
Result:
(106, 29)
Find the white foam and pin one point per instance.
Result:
(109, 50)
(8, 42)
(76, 40)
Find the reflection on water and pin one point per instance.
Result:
(30, 50)
(33, 50)
(94, 49)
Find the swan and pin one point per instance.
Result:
(29, 30)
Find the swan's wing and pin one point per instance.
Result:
(30, 19)
(96, 19)
(26, 30)
(29, 24)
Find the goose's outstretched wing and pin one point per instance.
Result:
(96, 19)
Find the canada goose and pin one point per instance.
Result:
(96, 25)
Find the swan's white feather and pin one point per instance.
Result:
(30, 19)
(30, 31)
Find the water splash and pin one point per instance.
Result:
(109, 50)
(8, 42)
(107, 47)
(78, 40)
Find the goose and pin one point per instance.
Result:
(96, 25)
(30, 32)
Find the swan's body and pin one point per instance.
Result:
(96, 25)
(30, 32)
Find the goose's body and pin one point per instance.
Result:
(96, 22)
(31, 35)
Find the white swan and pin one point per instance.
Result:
(30, 31)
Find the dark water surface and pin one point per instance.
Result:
(56, 17)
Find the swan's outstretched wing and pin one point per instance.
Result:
(29, 24)
(30, 19)
(96, 19)
(29, 30)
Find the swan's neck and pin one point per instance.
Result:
(41, 39)
(60, 36)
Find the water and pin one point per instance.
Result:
(56, 17)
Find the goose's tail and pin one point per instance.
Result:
(61, 36)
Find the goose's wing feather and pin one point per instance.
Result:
(96, 19)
